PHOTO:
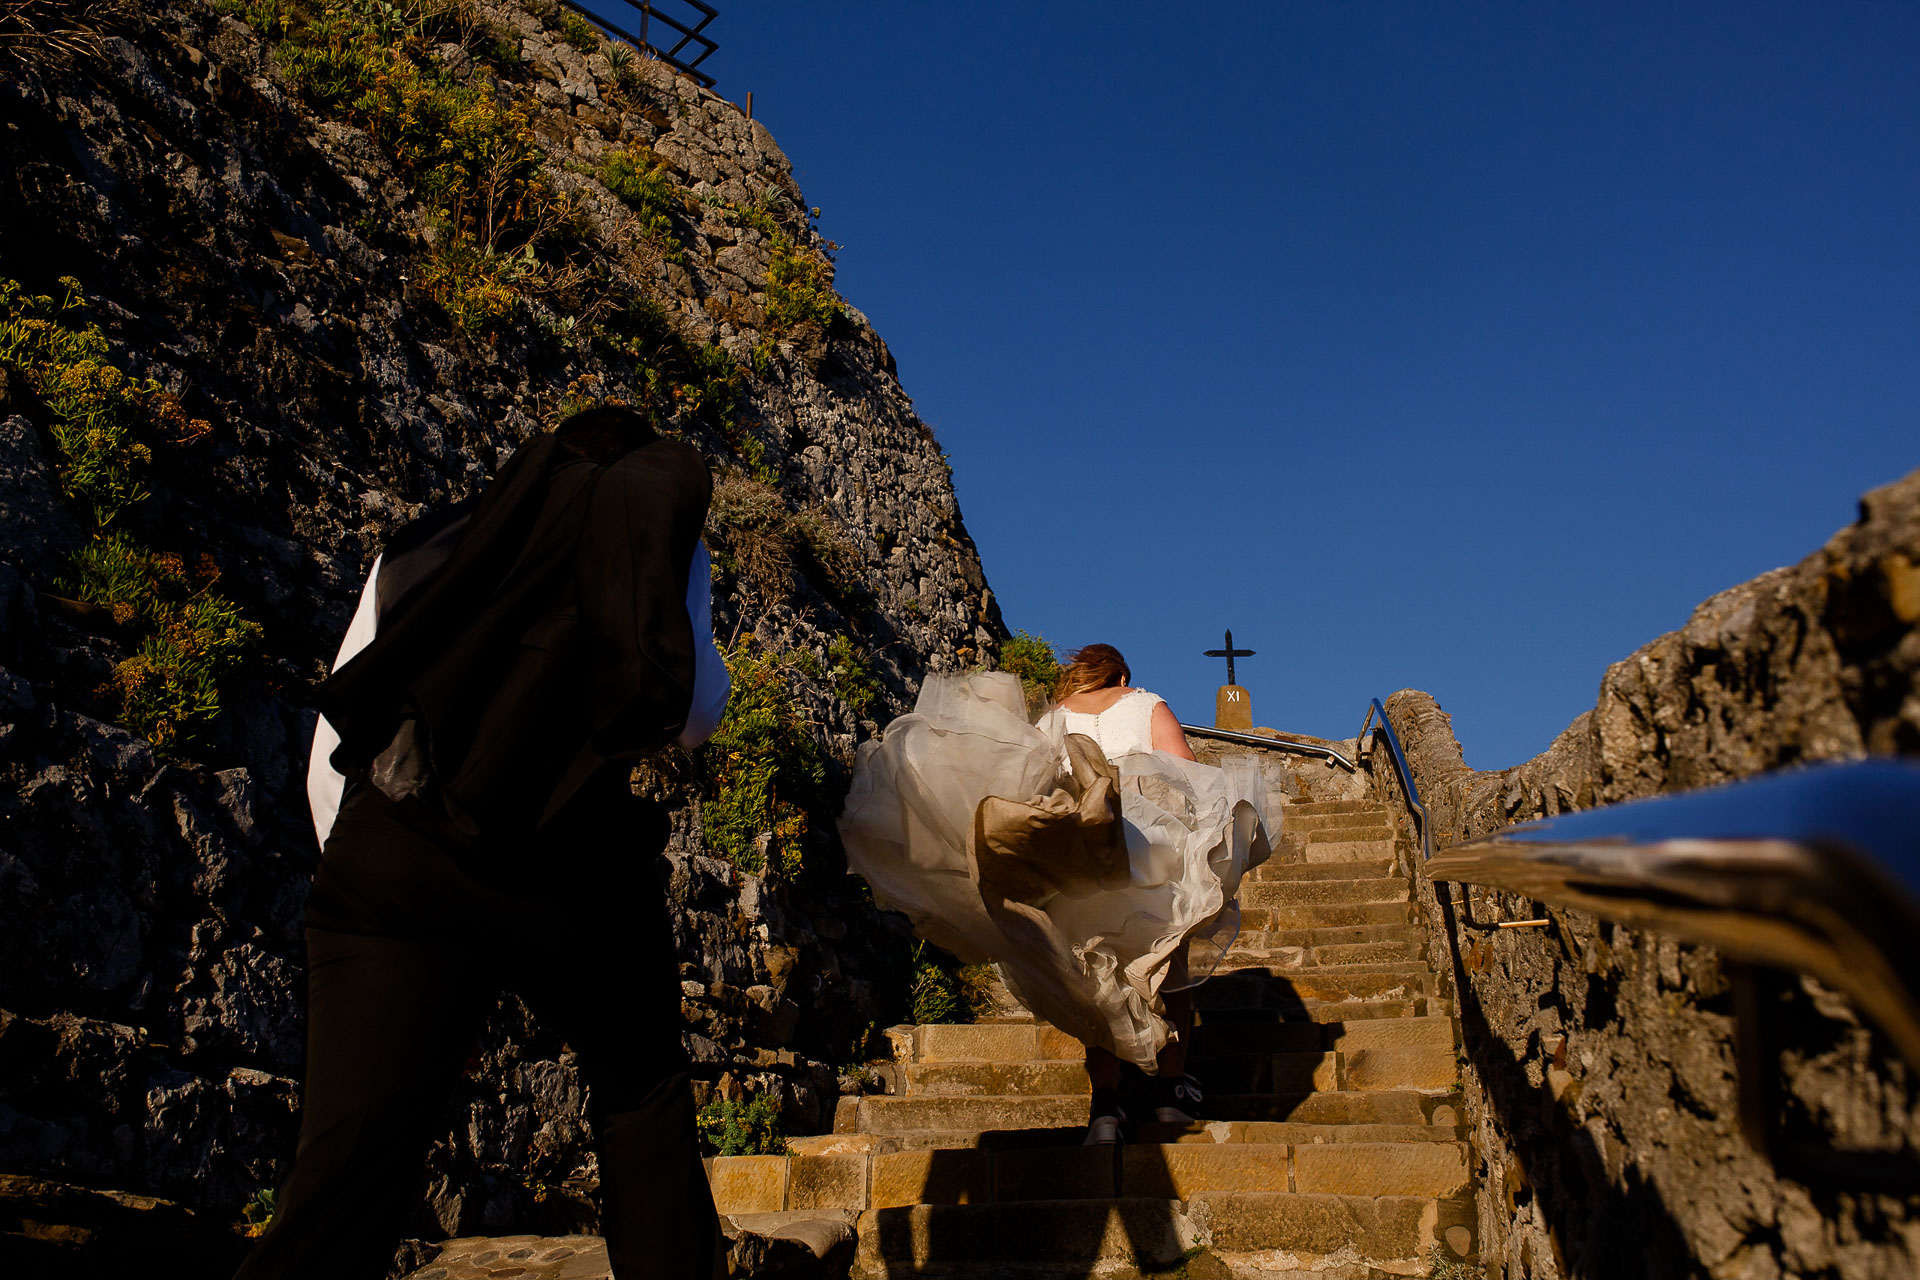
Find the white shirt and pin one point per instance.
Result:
(711, 686)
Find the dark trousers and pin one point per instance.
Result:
(407, 949)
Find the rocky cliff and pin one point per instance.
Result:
(330, 262)
(1600, 1071)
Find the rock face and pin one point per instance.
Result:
(261, 260)
(1601, 1077)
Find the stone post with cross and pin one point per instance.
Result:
(1232, 707)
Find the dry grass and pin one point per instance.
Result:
(59, 32)
(752, 535)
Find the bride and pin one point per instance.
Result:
(1089, 856)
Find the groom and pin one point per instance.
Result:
(510, 658)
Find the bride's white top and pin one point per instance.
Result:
(1123, 729)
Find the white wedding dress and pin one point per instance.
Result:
(1088, 919)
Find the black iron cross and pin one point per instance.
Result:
(1230, 653)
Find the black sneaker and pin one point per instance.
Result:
(1104, 1119)
(1176, 1100)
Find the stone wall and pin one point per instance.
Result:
(1599, 1064)
(261, 262)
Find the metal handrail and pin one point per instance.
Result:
(1277, 744)
(1816, 870)
(650, 13)
(1400, 767)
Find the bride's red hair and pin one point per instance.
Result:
(1094, 666)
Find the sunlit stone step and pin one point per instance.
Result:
(1325, 915)
(1360, 869)
(1302, 893)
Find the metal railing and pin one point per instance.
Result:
(648, 13)
(1815, 871)
(1402, 772)
(1276, 744)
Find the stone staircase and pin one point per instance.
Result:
(1332, 1147)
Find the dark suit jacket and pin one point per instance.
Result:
(527, 640)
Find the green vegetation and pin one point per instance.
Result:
(639, 179)
(768, 774)
(678, 376)
(478, 287)
(749, 1127)
(799, 278)
(190, 637)
(799, 287)
(625, 64)
(852, 675)
(944, 990)
(474, 162)
(759, 216)
(578, 32)
(257, 1213)
(936, 992)
(104, 426)
(1032, 659)
(497, 45)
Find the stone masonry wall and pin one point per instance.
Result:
(1599, 1064)
(260, 260)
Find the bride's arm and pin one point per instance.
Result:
(1166, 733)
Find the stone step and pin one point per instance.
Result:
(1401, 1235)
(1443, 1126)
(1124, 1238)
(1243, 961)
(1431, 1069)
(1321, 808)
(1176, 1171)
(1368, 952)
(969, 1079)
(1360, 829)
(993, 1042)
(879, 1114)
(1325, 915)
(1336, 936)
(1393, 997)
(1419, 1067)
(1359, 870)
(1278, 989)
(1291, 958)
(1345, 850)
(1218, 1036)
(1357, 1106)
(1300, 893)
(885, 1115)
(1217, 1033)
(1224, 1038)
(1328, 1010)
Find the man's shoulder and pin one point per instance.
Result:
(666, 469)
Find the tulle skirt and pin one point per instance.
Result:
(1093, 887)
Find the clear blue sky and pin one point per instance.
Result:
(1460, 346)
